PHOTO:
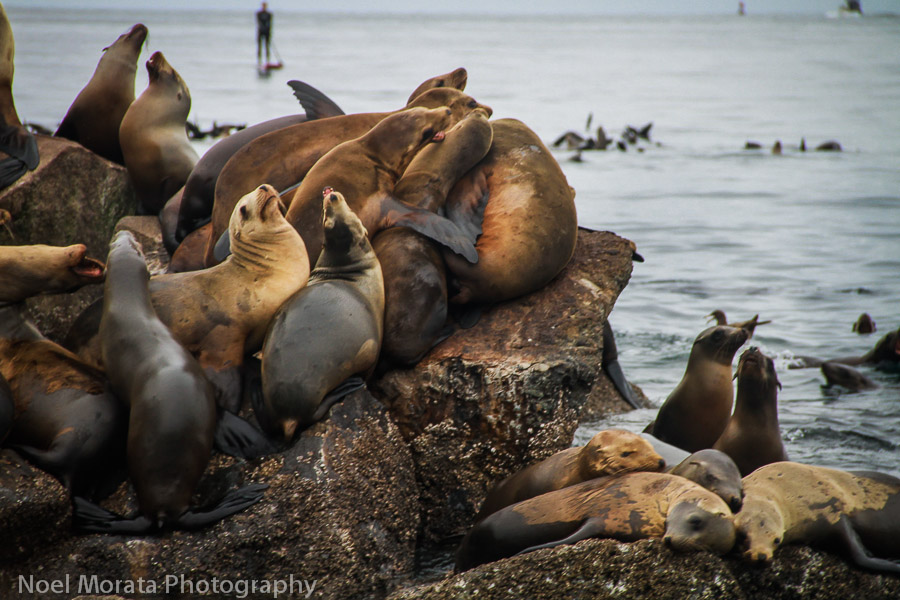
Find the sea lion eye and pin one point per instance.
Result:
(243, 212)
(472, 103)
(627, 453)
(777, 541)
(696, 523)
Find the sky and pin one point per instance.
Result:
(563, 7)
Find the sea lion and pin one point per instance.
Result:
(885, 354)
(749, 324)
(157, 152)
(630, 507)
(846, 377)
(26, 271)
(529, 227)
(415, 282)
(366, 169)
(328, 331)
(696, 412)
(609, 452)
(18, 146)
(298, 147)
(191, 251)
(171, 404)
(455, 79)
(789, 503)
(715, 471)
(94, 117)
(864, 324)
(221, 313)
(752, 437)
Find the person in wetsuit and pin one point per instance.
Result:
(263, 32)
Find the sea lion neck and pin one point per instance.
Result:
(267, 251)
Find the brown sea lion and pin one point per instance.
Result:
(609, 361)
(94, 117)
(157, 152)
(529, 228)
(630, 507)
(190, 252)
(792, 503)
(609, 452)
(865, 324)
(846, 377)
(456, 79)
(172, 406)
(221, 313)
(752, 437)
(328, 331)
(885, 353)
(715, 471)
(696, 412)
(18, 146)
(749, 324)
(297, 148)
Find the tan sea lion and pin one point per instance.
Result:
(529, 228)
(221, 313)
(26, 271)
(749, 324)
(630, 507)
(327, 332)
(415, 282)
(609, 452)
(455, 79)
(94, 117)
(696, 412)
(157, 152)
(18, 146)
(298, 147)
(172, 407)
(792, 503)
(752, 437)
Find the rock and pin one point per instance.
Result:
(340, 511)
(606, 569)
(73, 197)
(511, 390)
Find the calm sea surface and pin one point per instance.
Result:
(808, 240)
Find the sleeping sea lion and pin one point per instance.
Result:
(696, 412)
(328, 331)
(715, 471)
(791, 503)
(752, 437)
(94, 117)
(157, 152)
(630, 507)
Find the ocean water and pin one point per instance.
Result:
(808, 240)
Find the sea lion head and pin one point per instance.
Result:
(460, 104)
(133, 39)
(715, 471)
(757, 370)
(257, 222)
(169, 83)
(403, 134)
(614, 451)
(39, 269)
(702, 523)
(344, 232)
(760, 529)
(719, 343)
(456, 79)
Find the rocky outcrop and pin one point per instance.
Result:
(606, 569)
(73, 197)
(511, 390)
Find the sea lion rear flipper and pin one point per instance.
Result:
(433, 226)
(858, 551)
(87, 517)
(316, 104)
(234, 501)
(348, 386)
(589, 529)
(236, 437)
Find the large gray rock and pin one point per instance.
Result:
(511, 390)
(606, 569)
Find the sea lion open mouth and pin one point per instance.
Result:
(153, 65)
(439, 136)
(88, 268)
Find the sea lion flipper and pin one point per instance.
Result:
(460, 240)
(590, 528)
(20, 143)
(223, 247)
(467, 210)
(235, 501)
(614, 370)
(316, 104)
(236, 437)
(348, 386)
(87, 517)
(858, 552)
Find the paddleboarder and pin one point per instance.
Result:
(263, 32)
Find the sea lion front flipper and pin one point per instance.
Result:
(611, 366)
(87, 517)
(236, 437)
(348, 386)
(235, 501)
(20, 143)
(858, 552)
(316, 104)
(433, 226)
(589, 529)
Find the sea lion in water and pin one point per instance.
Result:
(328, 331)
(788, 503)
(885, 353)
(609, 452)
(846, 377)
(94, 117)
(18, 146)
(696, 412)
(171, 404)
(715, 471)
(529, 226)
(865, 324)
(749, 324)
(630, 507)
(221, 313)
(752, 437)
(157, 152)
(282, 158)
(415, 282)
